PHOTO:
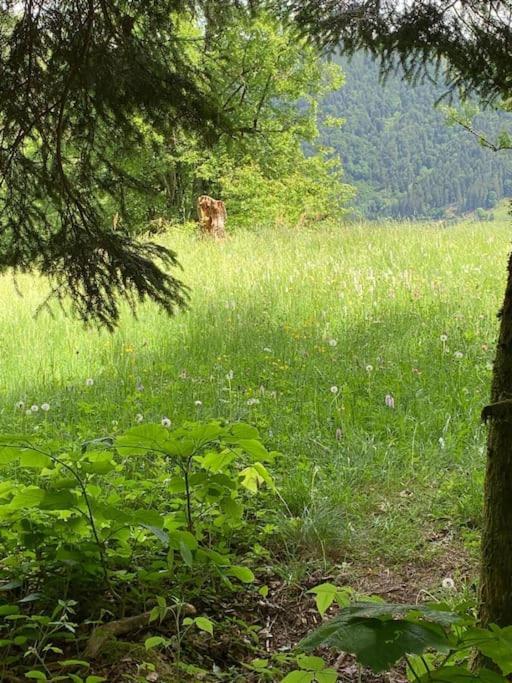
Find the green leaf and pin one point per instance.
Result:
(204, 624)
(154, 641)
(243, 574)
(7, 610)
(324, 594)
(241, 430)
(159, 533)
(30, 497)
(33, 460)
(299, 677)
(58, 500)
(143, 439)
(186, 554)
(377, 644)
(311, 663)
(326, 676)
(95, 679)
(496, 644)
(251, 479)
(75, 662)
(217, 462)
(36, 675)
(255, 448)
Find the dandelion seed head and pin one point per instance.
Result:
(139, 418)
(198, 403)
(333, 342)
(45, 407)
(369, 368)
(230, 375)
(20, 405)
(334, 390)
(28, 412)
(389, 401)
(89, 382)
(458, 355)
(34, 408)
(444, 338)
(166, 422)
(448, 583)
(252, 401)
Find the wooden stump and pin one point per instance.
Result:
(212, 217)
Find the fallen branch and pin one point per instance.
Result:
(102, 634)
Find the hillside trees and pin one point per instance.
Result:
(470, 40)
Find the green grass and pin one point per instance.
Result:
(362, 480)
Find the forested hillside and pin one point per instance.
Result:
(404, 159)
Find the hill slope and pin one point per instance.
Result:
(403, 157)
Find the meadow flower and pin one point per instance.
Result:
(230, 375)
(252, 401)
(139, 418)
(166, 422)
(89, 382)
(183, 374)
(389, 401)
(442, 443)
(198, 403)
(333, 342)
(458, 355)
(34, 408)
(448, 583)
(45, 407)
(444, 338)
(28, 412)
(369, 368)
(20, 405)
(334, 390)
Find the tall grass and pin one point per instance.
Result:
(303, 333)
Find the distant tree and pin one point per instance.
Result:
(79, 78)
(469, 40)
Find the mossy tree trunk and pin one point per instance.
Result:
(496, 568)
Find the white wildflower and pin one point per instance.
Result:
(442, 443)
(198, 403)
(20, 405)
(89, 382)
(334, 390)
(28, 412)
(458, 355)
(252, 401)
(34, 408)
(444, 338)
(166, 422)
(389, 401)
(45, 407)
(448, 583)
(369, 368)
(230, 375)
(333, 342)
(139, 418)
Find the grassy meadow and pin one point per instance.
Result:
(362, 353)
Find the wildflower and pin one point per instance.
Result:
(89, 382)
(253, 401)
(458, 355)
(442, 443)
(183, 374)
(444, 338)
(139, 418)
(28, 412)
(166, 422)
(369, 368)
(334, 390)
(389, 401)
(198, 403)
(448, 583)
(34, 408)
(230, 375)
(333, 342)
(45, 407)
(20, 405)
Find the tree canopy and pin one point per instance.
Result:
(469, 40)
(79, 78)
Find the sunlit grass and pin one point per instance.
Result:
(277, 321)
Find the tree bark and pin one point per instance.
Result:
(212, 217)
(496, 567)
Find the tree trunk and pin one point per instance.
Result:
(496, 568)
(212, 216)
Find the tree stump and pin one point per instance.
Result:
(212, 217)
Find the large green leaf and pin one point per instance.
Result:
(30, 497)
(143, 439)
(495, 643)
(241, 430)
(376, 643)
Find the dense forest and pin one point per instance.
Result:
(399, 151)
